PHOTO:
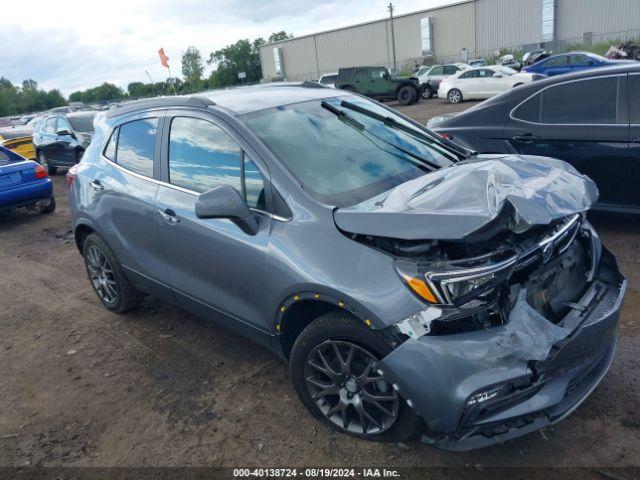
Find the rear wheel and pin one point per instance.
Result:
(426, 92)
(406, 95)
(112, 287)
(334, 371)
(454, 96)
(49, 207)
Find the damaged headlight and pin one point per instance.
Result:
(456, 282)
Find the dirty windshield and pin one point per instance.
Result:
(340, 162)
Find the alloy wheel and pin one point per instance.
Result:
(343, 381)
(101, 275)
(454, 96)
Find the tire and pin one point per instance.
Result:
(426, 92)
(406, 95)
(113, 289)
(454, 96)
(416, 96)
(42, 160)
(343, 391)
(50, 208)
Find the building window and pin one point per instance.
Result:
(425, 30)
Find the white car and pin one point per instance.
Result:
(329, 79)
(481, 82)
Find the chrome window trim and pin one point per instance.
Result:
(185, 190)
(539, 92)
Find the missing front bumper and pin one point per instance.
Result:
(546, 377)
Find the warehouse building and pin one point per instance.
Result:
(456, 32)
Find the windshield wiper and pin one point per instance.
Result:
(343, 116)
(393, 123)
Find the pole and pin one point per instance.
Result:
(147, 72)
(171, 82)
(393, 38)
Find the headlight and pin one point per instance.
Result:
(457, 282)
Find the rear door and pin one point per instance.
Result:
(362, 81)
(379, 85)
(634, 139)
(216, 269)
(120, 192)
(590, 131)
(556, 65)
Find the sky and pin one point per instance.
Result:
(73, 45)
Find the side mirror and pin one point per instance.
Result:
(64, 132)
(226, 202)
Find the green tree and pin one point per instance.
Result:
(28, 98)
(106, 92)
(192, 68)
(278, 36)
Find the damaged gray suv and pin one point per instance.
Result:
(411, 285)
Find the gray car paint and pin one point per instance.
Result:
(216, 270)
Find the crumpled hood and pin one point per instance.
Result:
(453, 202)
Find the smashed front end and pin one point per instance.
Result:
(521, 309)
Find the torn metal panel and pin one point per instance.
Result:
(452, 203)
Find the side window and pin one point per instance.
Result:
(556, 61)
(485, 73)
(582, 60)
(110, 149)
(378, 73)
(362, 75)
(136, 146)
(63, 124)
(471, 74)
(450, 70)
(202, 156)
(574, 102)
(530, 110)
(437, 71)
(50, 125)
(253, 185)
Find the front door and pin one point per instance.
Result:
(66, 148)
(216, 269)
(567, 121)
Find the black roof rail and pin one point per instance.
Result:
(191, 101)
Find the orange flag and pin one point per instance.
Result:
(164, 60)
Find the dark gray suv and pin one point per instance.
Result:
(410, 284)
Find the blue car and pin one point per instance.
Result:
(571, 62)
(24, 183)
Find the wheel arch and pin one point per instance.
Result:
(300, 309)
(80, 232)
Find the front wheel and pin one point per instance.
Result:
(406, 95)
(334, 371)
(426, 92)
(454, 96)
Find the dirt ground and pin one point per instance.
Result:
(80, 386)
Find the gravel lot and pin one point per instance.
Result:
(158, 387)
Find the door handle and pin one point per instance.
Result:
(527, 138)
(96, 185)
(169, 216)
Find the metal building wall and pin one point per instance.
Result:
(507, 24)
(575, 17)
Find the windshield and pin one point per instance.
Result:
(83, 123)
(339, 163)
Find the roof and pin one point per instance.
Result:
(590, 72)
(238, 100)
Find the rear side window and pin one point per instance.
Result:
(136, 146)
(471, 74)
(450, 70)
(110, 149)
(592, 101)
(529, 111)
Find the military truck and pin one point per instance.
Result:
(379, 83)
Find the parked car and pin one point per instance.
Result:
(401, 276)
(18, 139)
(561, 117)
(61, 139)
(379, 83)
(430, 78)
(477, 62)
(328, 80)
(24, 184)
(571, 62)
(534, 56)
(509, 61)
(481, 82)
